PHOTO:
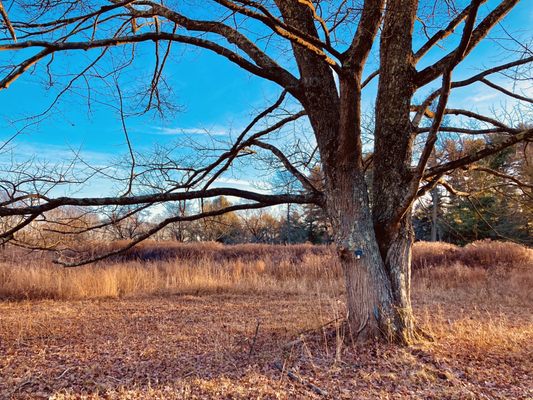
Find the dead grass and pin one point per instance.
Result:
(185, 329)
(482, 254)
(211, 267)
(43, 280)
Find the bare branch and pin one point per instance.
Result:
(453, 129)
(432, 72)
(52, 204)
(505, 91)
(466, 113)
(157, 228)
(288, 165)
(7, 22)
(267, 70)
(444, 33)
(525, 135)
(423, 109)
(501, 175)
(287, 31)
(445, 90)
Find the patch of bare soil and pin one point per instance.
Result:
(239, 347)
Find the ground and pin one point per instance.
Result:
(216, 346)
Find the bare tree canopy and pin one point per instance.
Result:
(325, 57)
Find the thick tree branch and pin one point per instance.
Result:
(271, 72)
(479, 117)
(501, 175)
(453, 129)
(466, 113)
(444, 33)
(284, 30)
(369, 78)
(54, 203)
(282, 76)
(7, 22)
(357, 53)
(505, 91)
(452, 190)
(423, 108)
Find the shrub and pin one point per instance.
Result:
(479, 254)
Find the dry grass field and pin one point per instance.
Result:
(205, 321)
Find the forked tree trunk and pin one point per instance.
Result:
(377, 287)
(377, 284)
(378, 293)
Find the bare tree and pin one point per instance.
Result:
(324, 70)
(177, 230)
(122, 227)
(260, 226)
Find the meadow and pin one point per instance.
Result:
(203, 320)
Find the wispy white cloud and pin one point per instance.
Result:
(214, 131)
(234, 181)
(55, 153)
(90, 168)
(482, 98)
(245, 181)
(244, 184)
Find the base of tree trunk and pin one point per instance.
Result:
(417, 335)
(378, 303)
(343, 329)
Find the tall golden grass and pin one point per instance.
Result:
(156, 268)
(482, 254)
(288, 273)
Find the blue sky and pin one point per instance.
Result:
(212, 94)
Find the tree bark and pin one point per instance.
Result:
(377, 288)
(398, 267)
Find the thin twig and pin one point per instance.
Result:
(298, 379)
(252, 345)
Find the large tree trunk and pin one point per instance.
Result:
(377, 288)
(377, 284)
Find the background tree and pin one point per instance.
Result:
(489, 199)
(318, 54)
(285, 182)
(178, 231)
(315, 217)
(121, 226)
(293, 227)
(223, 228)
(492, 198)
(260, 227)
(59, 229)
